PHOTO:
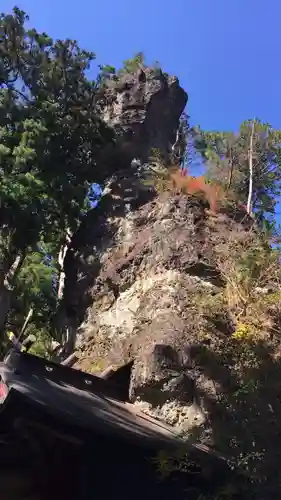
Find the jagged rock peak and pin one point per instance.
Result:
(144, 108)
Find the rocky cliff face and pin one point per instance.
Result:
(147, 304)
(154, 304)
(144, 289)
(144, 110)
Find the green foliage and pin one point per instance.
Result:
(133, 64)
(226, 155)
(107, 69)
(157, 175)
(107, 73)
(42, 346)
(243, 332)
(51, 134)
(247, 266)
(167, 462)
(228, 492)
(34, 289)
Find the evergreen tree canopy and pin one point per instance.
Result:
(51, 135)
(226, 155)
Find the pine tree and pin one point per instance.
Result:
(247, 162)
(51, 138)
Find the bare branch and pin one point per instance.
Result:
(250, 193)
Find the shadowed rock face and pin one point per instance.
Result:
(145, 302)
(143, 284)
(147, 286)
(144, 109)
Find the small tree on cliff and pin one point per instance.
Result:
(133, 64)
(247, 162)
(51, 137)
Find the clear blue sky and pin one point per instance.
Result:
(226, 53)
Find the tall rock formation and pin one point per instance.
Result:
(144, 288)
(144, 109)
(147, 304)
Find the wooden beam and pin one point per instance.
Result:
(105, 374)
(70, 360)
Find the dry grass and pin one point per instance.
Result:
(171, 178)
(252, 274)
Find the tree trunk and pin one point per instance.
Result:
(230, 174)
(5, 301)
(67, 345)
(61, 258)
(250, 158)
(70, 340)
(70, 361)
(6, 287)
(10, 275)
(27, 319)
